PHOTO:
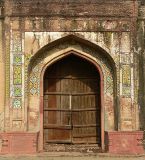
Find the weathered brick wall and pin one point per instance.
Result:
(73, 8)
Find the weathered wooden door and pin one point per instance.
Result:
(72, 102)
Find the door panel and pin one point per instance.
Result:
(72, 102)
(57, 118)
(56, 135)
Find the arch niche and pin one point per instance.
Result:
(57, 51)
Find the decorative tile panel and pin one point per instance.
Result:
(16, 42)
(27, 59)
(17, 90)
(109, 83)
(126, 75)
(26, 62)
(126, 91)
(17, 59)
(17, 74)
(17, 103)
(34, 80)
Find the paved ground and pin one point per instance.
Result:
(75, 156)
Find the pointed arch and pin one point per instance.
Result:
(75, 39)
(84, 49)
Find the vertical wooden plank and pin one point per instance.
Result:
(74, 67)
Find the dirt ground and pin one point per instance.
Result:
(74, 156)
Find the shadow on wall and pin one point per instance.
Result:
(142, 2)
(144, 140)
(141, 93)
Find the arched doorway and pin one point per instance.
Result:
(72, 103)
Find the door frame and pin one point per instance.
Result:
(98, 67)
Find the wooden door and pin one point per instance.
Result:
(72, 102)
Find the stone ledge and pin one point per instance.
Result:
(125, 142)
(18, 143)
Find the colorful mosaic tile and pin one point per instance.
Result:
(36, 69)
(108, 80)
(34, 84)
(7, 56)
(26, 62)
(109, 85)
(33, 91)
(34, 79)
(17, 59)
(17, 47)
(17, 103)
(126, 75)
(17, 75)
(126, 91)
(17, 90)
(27, 59)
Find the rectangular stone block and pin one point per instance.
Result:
(18, 143)
(125, 142)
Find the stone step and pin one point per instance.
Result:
(72, 148)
